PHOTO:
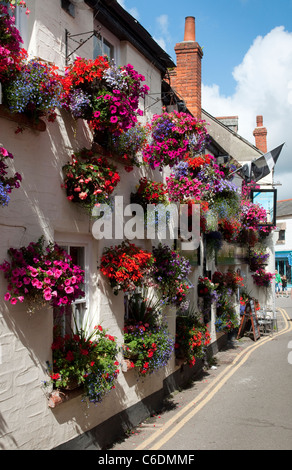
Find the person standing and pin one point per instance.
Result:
(284, 285)
(277, 282)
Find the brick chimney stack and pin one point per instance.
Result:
(186, 79)
(260, 134)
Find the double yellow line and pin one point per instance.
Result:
(190, 410)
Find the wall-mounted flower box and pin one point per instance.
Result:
(22, 120)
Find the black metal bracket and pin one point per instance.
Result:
(80, 42)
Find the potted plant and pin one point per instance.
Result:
(128, 144)
(35, 91)
(174, 136)
(89, 179)
(228, 321)
(170, 275)
(205, 287)
(191, 338)
(262, 278)
(108, 96)
(84, 360)
(10, 50)
(7, 183)
(42, 276)
(149, 192)
(126, 266)
(148, 344)
(258, 257)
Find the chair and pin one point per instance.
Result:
(265, 321)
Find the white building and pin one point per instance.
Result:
(53, 32)
(283, 246)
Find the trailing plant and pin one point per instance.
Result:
(87, 360)
(148, 344)
(170, 274)
(11, 54)
(128, 144)
(192, 337)
(258, 257)
(126, 266)
(148, 348)
(42, 276)
(7, 183)
(109, 96)
(174, 136)
(36, 91)
(227, 321)
(150, 192)
(262, 278)
(89, 179)
(205, 287)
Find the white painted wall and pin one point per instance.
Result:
(39, 207)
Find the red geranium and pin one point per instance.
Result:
(126, 266)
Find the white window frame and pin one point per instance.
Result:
(21, 22)
(75, 242)
(106, 35)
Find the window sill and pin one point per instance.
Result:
(22, 119)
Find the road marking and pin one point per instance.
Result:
(220, 380)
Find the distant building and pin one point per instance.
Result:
(283, 248)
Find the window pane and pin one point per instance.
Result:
(97, 47)
(108, 49)
(74, 313)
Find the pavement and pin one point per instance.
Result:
(200, 389)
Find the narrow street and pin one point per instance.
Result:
(242, 402)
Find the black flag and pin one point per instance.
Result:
(263, 165)
(245, 171)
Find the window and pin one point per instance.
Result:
(21, 21)
(68, 7)
(102, 47)
(281, 235)
(75, 313)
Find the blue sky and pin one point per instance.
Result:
(247, 62)
(225, 29)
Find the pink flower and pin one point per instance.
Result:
(34, 271)
(13, 301)
(47, 294)
(7, 296)
(69, 290)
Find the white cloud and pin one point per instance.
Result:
(164, 38)
(264, 87)
(133, 11)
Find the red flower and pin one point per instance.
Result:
(69, 356)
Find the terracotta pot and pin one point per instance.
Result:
(56, 398)
(127, 365)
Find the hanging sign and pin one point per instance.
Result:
(249, 316)
(254, 321)
(267, 199)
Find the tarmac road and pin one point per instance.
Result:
(241, 403)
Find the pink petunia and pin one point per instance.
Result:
(69, 289)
